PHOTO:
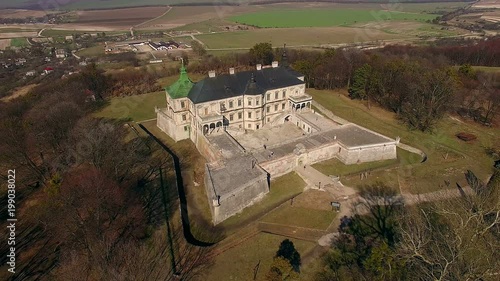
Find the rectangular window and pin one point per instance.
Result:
(283, 106)
(257, 102)
(183, 104)
(284, 93)
(206, 110)
(268, 96)
(239, 102)
(249, 102)
(231, 104)
(231, 117)
(184, 117)
(249, 114)
(275, 107)
(268, 109)
(240, 115)
(185, 128)
(276, 95)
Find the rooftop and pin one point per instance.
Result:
(252, 82)
(181, 88)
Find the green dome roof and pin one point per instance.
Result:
(181, 88)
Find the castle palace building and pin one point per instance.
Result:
(253, 126)
(243, 101)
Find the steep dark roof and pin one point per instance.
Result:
(242, 83)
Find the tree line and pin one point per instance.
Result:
(418, 83)
(89, 190)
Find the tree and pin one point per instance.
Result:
(281, 270)
(428, 99)
(361, 82)
(198, 48)
(95, 80)
(376, 212)
(365, 246)
(455, 238)
(287, 251)
(262, 53)
(383, 264)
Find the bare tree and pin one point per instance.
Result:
(455, 239)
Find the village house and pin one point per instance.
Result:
(60, 53)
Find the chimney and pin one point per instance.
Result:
(275, 64)
(259, 66)
(231, 70)
(211, 73)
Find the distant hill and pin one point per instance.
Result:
(109, 4)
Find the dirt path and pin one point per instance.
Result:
(19, 92)
(131, 29)
(39, 34)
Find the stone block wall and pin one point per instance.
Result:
(281, 166)
(368, 153)
(206, 149)
(239, 198)
(168, 126)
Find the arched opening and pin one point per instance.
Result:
(308, 104)
(205, 129)
(219, 124)
(287, 118)
(212, 126)
(303, 105)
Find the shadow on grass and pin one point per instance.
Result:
(186, 225)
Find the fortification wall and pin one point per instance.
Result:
(205, 149)
(281, 165)
(368, 154)
(227, 205)
(288, 163)
(243, 197)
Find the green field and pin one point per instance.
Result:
(18, 42)
(324, 18)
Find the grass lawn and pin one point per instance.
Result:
(282, 189)
(302, 217)
(239, 262)
(324, 17)
(310, 209)
(94, 51)
(18, 42)
(135, 108)
(448, 157)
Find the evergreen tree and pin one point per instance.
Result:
(287, 251)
